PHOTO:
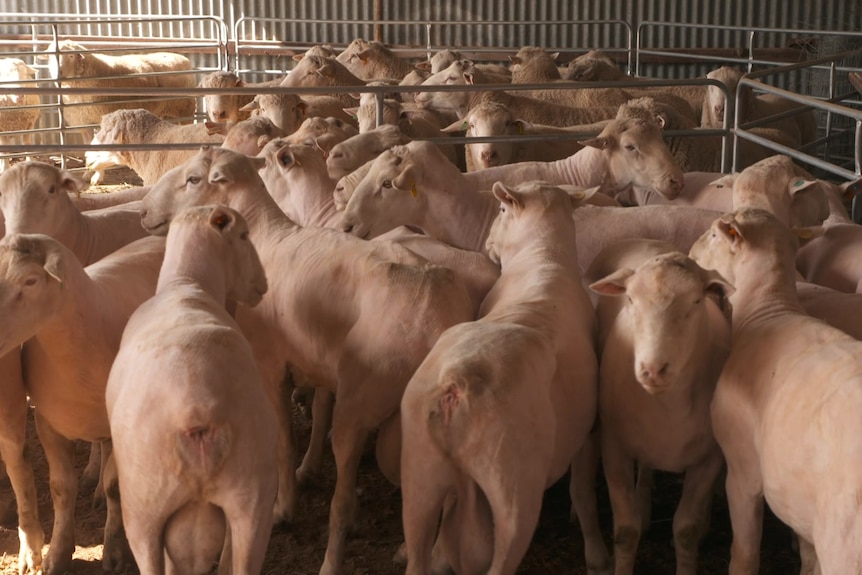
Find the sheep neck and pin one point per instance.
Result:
(192, 262)
(766, 294)
(460, 215)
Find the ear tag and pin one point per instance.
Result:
(804, 234)
(464, 126)
(520, 128)
(578, 195)
(798, 183)
(731, 232)
(413, 191)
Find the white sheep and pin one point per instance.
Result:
(288, 111)
(534, 65)
(373, 61)
(316, 71)
(800, 128)
(247, 136)
(323, 133)
(36, 200)
(140, 126)
(210, 447)
(17, 113)
(463, 72)
(69, 320)
(347, 156)
(376, 291)
(75, 65)
(496, 119)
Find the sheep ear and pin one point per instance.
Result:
(469, 78)
(851, 189)
(725, 181)
(352, 111)
(284, 157)
(302, 107)
(363, 56)
(251, 106)
(70, 184)
(800, 184)
(808, 233)
(600, 142)
(714, 283)
(215, 128)
(522, 125)
(326, 70)
(424, 66)
(580, 195)
(456, 126)
(730, 230)
(54, 264)
(506, 195)
(554, 55)
(406, 180)
(661, 120)
(515, 60)
(613, 284)
(221, 218)
(297, 57)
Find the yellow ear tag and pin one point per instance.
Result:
(520, 128)
(804, 233)
(731, 232)
(578, 195)
(413, 191)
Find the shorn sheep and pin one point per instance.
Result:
(210, 448)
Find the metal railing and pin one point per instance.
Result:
(416, 38)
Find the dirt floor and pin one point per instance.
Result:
(299, 549)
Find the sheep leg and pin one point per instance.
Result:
(744, 487)
(808, 557)
(321, 421)
(426, 478)
(348, 440)
(249, 520)
(643, 492)
(582, 491)
(13, 449)
(60, 453)
(286, 500)
(116, 553)
(514, 492)
(620, 475)
(692, 513)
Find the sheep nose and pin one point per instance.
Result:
(488, 155)
(653, 371)
(677, 182)
(347, 227)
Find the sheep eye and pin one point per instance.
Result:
(51, 190)
(243, 236)
(193, 180)
(630, 147)
(387, 183)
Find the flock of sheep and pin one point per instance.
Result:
(495, 315)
